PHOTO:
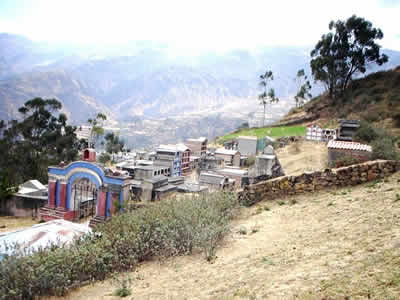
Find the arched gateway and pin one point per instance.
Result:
(83, 184)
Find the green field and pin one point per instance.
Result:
(274, 132)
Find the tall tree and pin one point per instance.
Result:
(97, 129)
(349, 48)
(267, 96)
(304, 88)
(113, 143)
(40, 139)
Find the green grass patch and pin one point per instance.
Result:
(274, 132)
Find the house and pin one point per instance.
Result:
(230, 157)
(27, 201)
(215, 182)
(185, 153)
(170, 157)
(142, 172)
(347, 129)
(231, 144)
(247, 145)
(234, 173)
(339, 150)
(198, 147)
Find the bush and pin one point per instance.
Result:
(173, 227)
(384, 148)
(366, 133)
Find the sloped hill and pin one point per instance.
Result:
(338, 244)
(375, 98)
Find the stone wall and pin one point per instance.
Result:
(309, 182)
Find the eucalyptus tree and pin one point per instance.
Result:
(267, 96)
(304, 88)
(347, 50)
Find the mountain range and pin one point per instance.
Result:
(148, 81)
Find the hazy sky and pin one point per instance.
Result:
(200, 24)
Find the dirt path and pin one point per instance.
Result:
(332, 244)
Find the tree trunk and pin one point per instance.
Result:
(263, 124)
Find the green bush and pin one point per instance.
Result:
(366, 133)
(384, 148)
(172, 227)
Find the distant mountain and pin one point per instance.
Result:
(145, 80)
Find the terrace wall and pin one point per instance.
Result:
(309, 182)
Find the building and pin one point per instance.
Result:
(156, 188)
(185, 153)
(230, 157)
(27, 201)
(211, 162)
(215, 182)
(141, 172)
(198, 146)
(347, 129)
(247, 145)
(170, 157)
(236, 174)
(315, 133)
(340, 150)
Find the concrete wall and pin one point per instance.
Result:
(22, 206)
(247, 146)
(308, 182)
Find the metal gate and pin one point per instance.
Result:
(85, 199)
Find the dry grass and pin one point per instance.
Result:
(303, 156)
(339, 244)
(14, 223)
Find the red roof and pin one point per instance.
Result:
(348, 146)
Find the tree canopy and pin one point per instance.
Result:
(304, 88)
(267, 96)
(41, 138)
(346, 50)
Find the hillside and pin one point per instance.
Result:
(375, 98)
(337, 244)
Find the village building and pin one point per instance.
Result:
(247, 145)
(26, 202)
(340, 150)
(169, 157)
(211, 162)
(231, 144)
(198, 146)
(185, 153)
(156, 188)
(316, 133)
(347, 129)
(237, 174)
(141, 172)
(215, 182)
(73, 187)
(230, 157)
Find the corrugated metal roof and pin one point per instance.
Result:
(28, 240)
(348, 146)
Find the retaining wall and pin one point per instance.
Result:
(309, 182)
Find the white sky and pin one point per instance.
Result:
(200, 24)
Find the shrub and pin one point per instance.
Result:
(173, 227)
(383, 148)
(366, 133)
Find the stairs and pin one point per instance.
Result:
(97, 220)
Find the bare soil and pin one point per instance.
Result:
(337, 244)
(303, 156)
(8, 223)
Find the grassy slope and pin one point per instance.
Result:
(262, 132)
(338, 244)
